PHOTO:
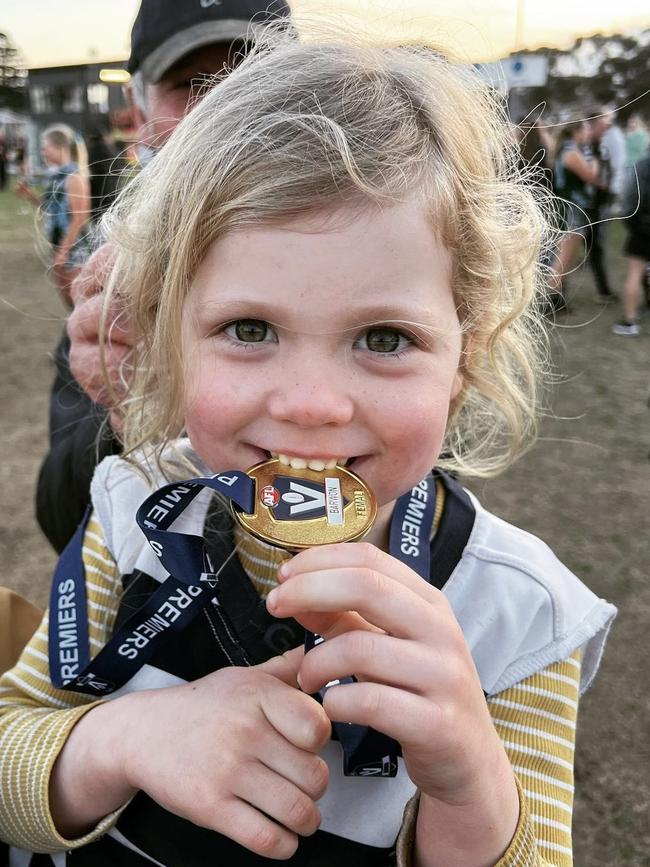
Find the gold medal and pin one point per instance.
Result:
(296, 509)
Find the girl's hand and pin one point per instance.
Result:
(236, 752)
(399, 636)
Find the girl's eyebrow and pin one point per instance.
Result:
(351, 316)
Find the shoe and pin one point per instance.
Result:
(626, 329)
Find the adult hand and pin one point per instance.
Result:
(87, 293)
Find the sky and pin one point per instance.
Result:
(75, 31)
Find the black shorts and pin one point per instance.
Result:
(638, 246)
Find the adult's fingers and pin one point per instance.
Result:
(85, 354)
(93, 276)
(84, 323)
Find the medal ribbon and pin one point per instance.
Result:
(192, 582)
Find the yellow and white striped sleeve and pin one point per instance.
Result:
(536, 720)
(36, 718)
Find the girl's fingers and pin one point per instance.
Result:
(360, 555)
(279, 799)
(331, 625)
(379, 658)
(285, 667)
(305, 770)
(379, 599)
(406, 717)
(295, 715)
(244, 824)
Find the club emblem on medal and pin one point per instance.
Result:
(297, 509)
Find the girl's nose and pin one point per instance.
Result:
(312, 401)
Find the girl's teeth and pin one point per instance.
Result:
(316, 464)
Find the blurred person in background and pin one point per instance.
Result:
(3, 163)
(612, 150)
(637, 247)
(636, 141)
(20, 158)
(608, 145)
(537, 150)
(105, 167)
(174, 50)
(65, 207)
(575, 173)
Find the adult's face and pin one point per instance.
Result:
(583, 133)
(169, 99)
(601, 124)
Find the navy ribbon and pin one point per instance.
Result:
(192, 581)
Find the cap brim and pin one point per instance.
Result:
(180, 44)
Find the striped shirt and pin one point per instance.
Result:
(535, 719)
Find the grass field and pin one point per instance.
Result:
(584, 488)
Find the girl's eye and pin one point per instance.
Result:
(385, 340)
(250, 331)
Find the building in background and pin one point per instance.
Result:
(84, 96)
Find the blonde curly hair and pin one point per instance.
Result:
(302, 125)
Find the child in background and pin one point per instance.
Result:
(332, 259)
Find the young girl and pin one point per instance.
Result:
(331, 261)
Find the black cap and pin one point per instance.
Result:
(166, 30)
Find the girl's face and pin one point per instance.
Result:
(296, 343)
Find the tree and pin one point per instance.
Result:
(596, 70)
(13, 76)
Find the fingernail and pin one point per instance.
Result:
(299, 681)
(272, 599)
(283, 571)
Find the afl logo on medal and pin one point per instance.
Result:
(297, 509)
(270, 496)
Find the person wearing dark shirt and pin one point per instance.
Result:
(174, 50)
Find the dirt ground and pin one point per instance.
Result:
(584, 488)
